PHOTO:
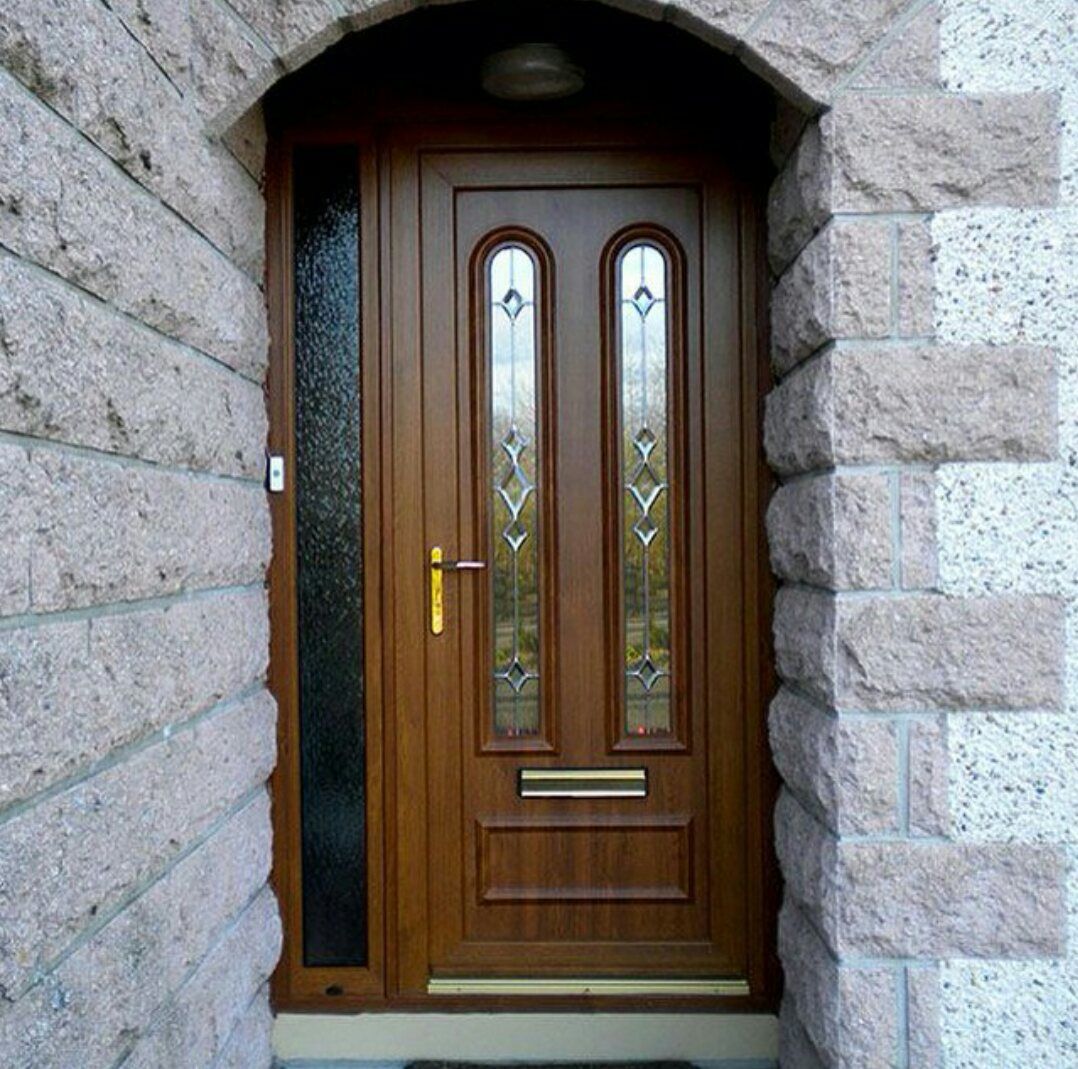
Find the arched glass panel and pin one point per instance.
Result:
(643, 342)
(514, 465)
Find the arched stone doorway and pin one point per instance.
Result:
(154, 241)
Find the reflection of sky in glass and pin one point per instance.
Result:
(646, 576)
(514, 465)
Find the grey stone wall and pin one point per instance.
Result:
(923, 529)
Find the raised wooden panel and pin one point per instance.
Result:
(585, 860)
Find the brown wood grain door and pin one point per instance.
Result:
(572, 407)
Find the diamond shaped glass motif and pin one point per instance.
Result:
(645, 529)
(647, 672)
(512, 302)
(643, 300)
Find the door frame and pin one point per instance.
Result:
(389, 750)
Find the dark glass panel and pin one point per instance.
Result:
(329, 560)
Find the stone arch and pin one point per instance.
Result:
(131, 247)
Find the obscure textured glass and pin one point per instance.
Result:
(645, 522)
(515, 468)
(329, 560)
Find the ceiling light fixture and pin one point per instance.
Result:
(531, 72)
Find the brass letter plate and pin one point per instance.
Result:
(583, 783)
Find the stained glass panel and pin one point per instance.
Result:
(511, 342)
(642, 288)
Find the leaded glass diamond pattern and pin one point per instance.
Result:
(515, 602)
(646, 576)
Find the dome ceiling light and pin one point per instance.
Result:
(531, 72)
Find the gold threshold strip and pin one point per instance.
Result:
(570, 985)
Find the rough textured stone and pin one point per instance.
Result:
(849, 1014)
(839, 287)
(787, 128)
(108, 532)
(916, 312)
(73, 370)
(918, 530)
(72, 692)
(249, 1045)
(908, 59)
(211, 1004)
(81, 59)
(16, 530)
(929, 812)
(163, 27)
(922, 999)
(833, 531)
(927, 404)
(932, 652)
(246, 139)
(846, 770)
(296, 30)
(804, 627)
(800, 199)
(795, 1047)
(230, 68)
(905, 899)
(93, 1006)
(814, 43)
(77, 854)
(66, 206)
(925, 152)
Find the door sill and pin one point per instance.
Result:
(594, 985)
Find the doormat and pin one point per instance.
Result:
(551, 1065)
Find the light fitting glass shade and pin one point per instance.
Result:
(531, 72)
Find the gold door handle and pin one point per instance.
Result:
(438, 567)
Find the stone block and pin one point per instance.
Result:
(197, 1026)
(914, 403)
(71, 692)
(849, 1014)
(90, 1009)
(108, 532)
(230, 67)
(787, 127)
(74, 370)
(246, 139)
(16, 530)
(933, 652)
(296, 30)
(1012, 777)
(795, 1047)
(66, 206)
(918, 530)
(800, 199)
(908, 899)
(78, 854)
(833, 531)
(909, 58)
(922, 153)
(929, 812)
(804, 629)
(80, 58)
(163, 28)
(815, 43)
(915, 286)
(250, 1042)
(845, 770)
(923, 1011)
(838, 287)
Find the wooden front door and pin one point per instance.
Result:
(570, 420)
(518, 592)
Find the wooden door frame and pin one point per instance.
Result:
(386, 502)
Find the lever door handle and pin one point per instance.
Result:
(438, 567)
